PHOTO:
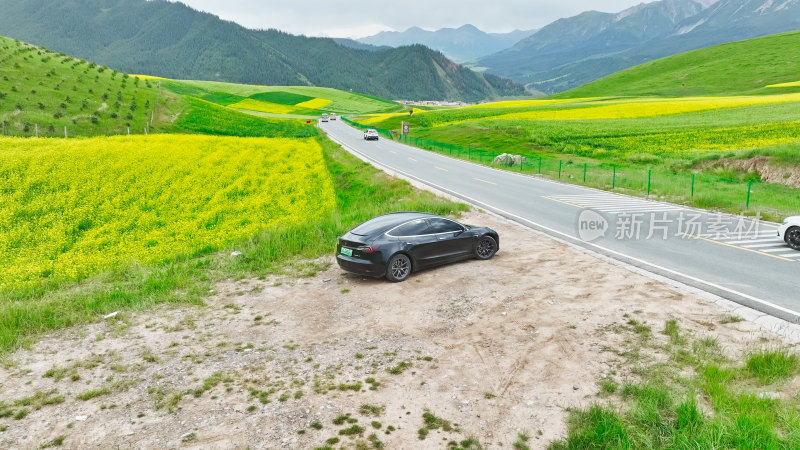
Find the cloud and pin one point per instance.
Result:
(355, 18)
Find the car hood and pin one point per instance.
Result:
(792, 219)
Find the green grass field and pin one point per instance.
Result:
(744, 67)
(44, 91)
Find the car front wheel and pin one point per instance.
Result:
(399, 268)
(486, 248)
(793, 237)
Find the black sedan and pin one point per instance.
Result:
(397, 244)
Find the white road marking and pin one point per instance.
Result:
(610, 203)
(484, 181)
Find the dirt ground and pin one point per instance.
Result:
(495, 348)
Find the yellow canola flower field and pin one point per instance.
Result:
(525, 103)
(316, 103)
(780, 85)
(149, 77)
(639, 108)
(267, 107)
(72, 208)
(377, 118)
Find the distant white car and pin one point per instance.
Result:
(371, 135)
(789, 231)
(324, 117)
(332, 116)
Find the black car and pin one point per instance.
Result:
(397, 244)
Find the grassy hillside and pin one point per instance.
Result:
(173, 40)
(745, 67)
(296, 100)
(53, 90)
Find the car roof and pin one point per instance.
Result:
(382, 223)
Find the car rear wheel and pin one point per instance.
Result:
(486, 248)
(792, 237)
(399, 268)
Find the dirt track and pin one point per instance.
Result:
(496, 348)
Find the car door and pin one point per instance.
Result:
(453, 241)
(417, 240)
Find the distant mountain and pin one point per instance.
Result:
(172, 40)
(461, 44)
(571, 52)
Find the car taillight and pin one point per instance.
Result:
(367, 249)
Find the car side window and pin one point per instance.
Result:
(413, 228)
(444, 226)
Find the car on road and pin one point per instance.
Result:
(324, 117)
(370, 135)
(395, 245)
(332, 116)
(789, 231)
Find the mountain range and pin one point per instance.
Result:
(573, 51)
(170, 39)
(460, 44)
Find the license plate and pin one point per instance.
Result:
(346, 251)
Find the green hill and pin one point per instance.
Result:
(744, 67)
(173, 40)
(45, 91)
(42, 92)
(293, 100)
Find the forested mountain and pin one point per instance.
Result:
(463, 43)
(172, 40)
(574, 51)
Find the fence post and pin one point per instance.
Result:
(614, 177)
(36, 128)
(129, 131)
(649, 174)
(4, 128)
(692, 185)
(749, 188)
(65, 131)
(559, 169)
(584, 173)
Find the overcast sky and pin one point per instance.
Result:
(359, 18)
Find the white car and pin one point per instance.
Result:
(332, 116)
(789, 231)
(371, 135)
(324, 117)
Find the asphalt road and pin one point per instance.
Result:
(729, 256)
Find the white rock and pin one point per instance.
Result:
(113, 314)
(81, 418)
(236, 253)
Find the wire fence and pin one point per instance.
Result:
(723, 192)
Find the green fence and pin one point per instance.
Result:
(703, 190)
